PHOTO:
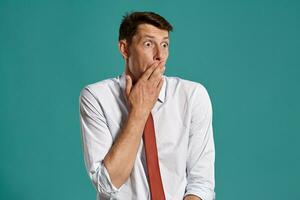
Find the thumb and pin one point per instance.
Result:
(128, 85)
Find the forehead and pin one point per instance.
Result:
(145, 30)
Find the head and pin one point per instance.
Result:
(143, 40)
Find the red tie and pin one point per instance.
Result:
(154, 179)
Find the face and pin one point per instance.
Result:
(149, 45)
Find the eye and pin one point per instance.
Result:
(148, 44)
(165, 45)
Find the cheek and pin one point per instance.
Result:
(139, 60)
(166, 53)
(136, 65)
(143, 59)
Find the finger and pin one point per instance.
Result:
(128, 85)
(157, 73)
(149, 71)
(160, 84)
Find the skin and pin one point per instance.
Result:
(145, 58)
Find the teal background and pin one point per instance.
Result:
(246, 53)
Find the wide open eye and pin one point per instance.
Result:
(165, 45)
(148, 44)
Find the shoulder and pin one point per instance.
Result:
(100, 88)
(187, 87)
(192, 92)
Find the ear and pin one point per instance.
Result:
(123, 47)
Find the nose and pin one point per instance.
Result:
(158, 55)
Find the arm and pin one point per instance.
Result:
(104, 158)
(141, 98)
(201, 151)
(120, 159)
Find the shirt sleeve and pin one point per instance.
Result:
(201, 150)
(96, 141)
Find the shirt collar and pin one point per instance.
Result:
(162, 93)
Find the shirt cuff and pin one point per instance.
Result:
(105, 186)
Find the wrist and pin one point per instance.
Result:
(139, 114)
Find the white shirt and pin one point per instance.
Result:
(184, 135)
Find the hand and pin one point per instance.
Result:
(192, 197)
(143, 95)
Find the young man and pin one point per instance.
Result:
(146, 135)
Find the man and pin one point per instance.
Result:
(117, 114)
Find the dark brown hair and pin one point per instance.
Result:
(132, 20)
